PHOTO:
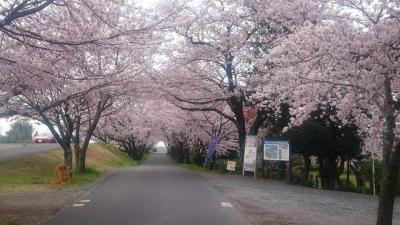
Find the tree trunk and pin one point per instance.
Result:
(390, 170)
(387, 194)
(187, 158)
(63, 137)
(236, 106)
(68, 156)
(242, 142)
(357, 174)
(264, 172)
(76, 151)
(81, 162)
(258, 122)
(290, 169)
(80, 159)
(327, 172)
(259, 157)
(348, 174)
(307, 167)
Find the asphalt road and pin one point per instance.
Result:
(11, 151)
(155, 193)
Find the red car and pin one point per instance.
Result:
(44, 139)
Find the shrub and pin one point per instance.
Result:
(366, 170)
(198, 158)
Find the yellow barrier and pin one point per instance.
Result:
(62, 175)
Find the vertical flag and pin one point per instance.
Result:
(250, 152)
(212, 147)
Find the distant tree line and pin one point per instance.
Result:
(20, 132)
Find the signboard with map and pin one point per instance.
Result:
(276, 150)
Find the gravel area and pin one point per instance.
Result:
(277, 203)
(36, 207)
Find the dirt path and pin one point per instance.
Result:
(275, 203)
(36, 207)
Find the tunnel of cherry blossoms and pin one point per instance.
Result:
(179, 74)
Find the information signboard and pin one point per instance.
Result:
(250, 152)
(231, 165)
(276, 150)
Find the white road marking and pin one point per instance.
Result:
(78, 205)
(84, 201)
(226, 204)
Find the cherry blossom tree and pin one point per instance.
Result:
(71, 109)
(190, 136)
(350, 60)
(39, 36)
(214, 63)
(70, 86)
(149, 117)
(13, 10)
(85, 67)
(135, 128)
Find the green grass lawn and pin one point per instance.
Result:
(36, 171)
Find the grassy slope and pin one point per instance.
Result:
(36, 171)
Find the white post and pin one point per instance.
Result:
(243, 162)
(373, 172)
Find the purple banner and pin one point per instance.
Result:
(212, 147)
